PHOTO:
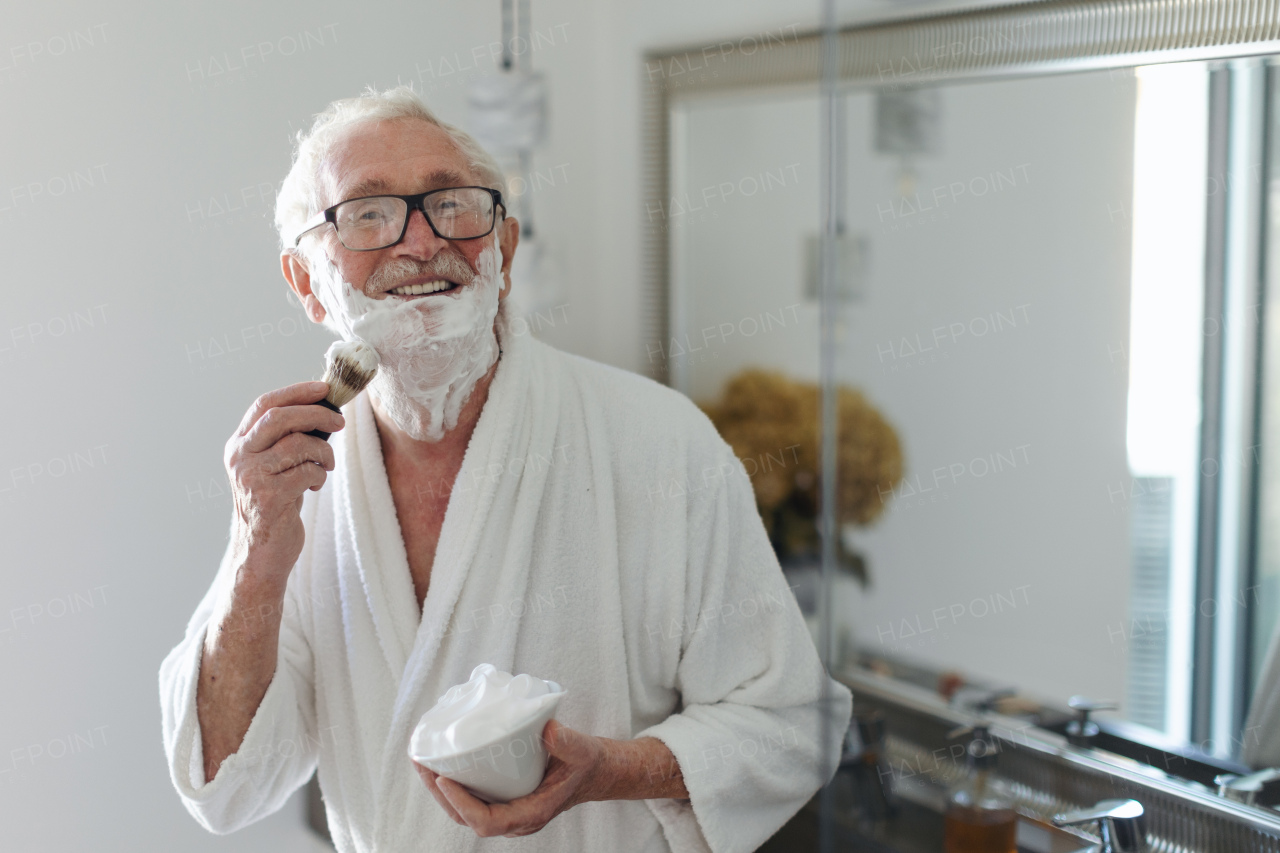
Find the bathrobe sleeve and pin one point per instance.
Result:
(761, 724)
(281, 748)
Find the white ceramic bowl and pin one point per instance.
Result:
(507, 767)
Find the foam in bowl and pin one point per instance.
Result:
(489, 706)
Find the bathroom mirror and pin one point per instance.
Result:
(1056, 290)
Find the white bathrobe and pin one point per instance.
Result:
(599, 534)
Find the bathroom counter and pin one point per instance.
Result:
(915, 826)
(915, 764)
(913, 829)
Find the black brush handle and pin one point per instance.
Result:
(319, 433)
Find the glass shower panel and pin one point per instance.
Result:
(1263, 592)
(743, 220)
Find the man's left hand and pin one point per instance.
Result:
(573, 776)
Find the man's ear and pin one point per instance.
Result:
(508, 239)
(294, 267)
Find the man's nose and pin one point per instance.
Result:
(419, 240)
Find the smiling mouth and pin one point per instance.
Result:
(425, 288)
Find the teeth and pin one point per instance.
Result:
(425, 287)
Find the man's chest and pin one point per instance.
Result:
(420, 509)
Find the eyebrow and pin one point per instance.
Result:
(377, 186)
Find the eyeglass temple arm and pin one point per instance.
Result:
(311, 224)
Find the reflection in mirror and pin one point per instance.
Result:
(1263, 588)
(1049, 307)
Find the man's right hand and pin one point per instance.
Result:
(271, 463)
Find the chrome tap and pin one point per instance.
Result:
(1083, 731)
(1244, 789)
(1121, 823)
(980, 700)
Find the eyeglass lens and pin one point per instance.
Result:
(374, 223)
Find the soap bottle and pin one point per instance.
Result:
(980, 816)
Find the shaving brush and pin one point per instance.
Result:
(348, 367)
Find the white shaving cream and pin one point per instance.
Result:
(491, 705)
(433, 349)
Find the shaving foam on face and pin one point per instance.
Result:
(491, 705)
(433, 349)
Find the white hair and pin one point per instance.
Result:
(300, 196)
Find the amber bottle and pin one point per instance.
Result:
(980, 817)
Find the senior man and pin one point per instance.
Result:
(493, 500)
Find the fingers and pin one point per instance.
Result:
(555, 737)
(298, 394)
(429, 779)
(530, 813)
(522, 816)
(294, 449)
(300, 478)
(280, 421)
(282, 473)
(470, 810)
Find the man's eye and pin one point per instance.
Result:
(369, 215)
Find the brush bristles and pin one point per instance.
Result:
(346, 379)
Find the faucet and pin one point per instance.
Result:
(1244, 789)
(1083, 731)
(1120, 822)
(980, 699)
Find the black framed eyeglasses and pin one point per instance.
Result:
(377, 221)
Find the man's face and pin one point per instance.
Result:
(401, 158)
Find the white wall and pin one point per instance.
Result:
(143, 311)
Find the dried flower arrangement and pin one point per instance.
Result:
(772, 423)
